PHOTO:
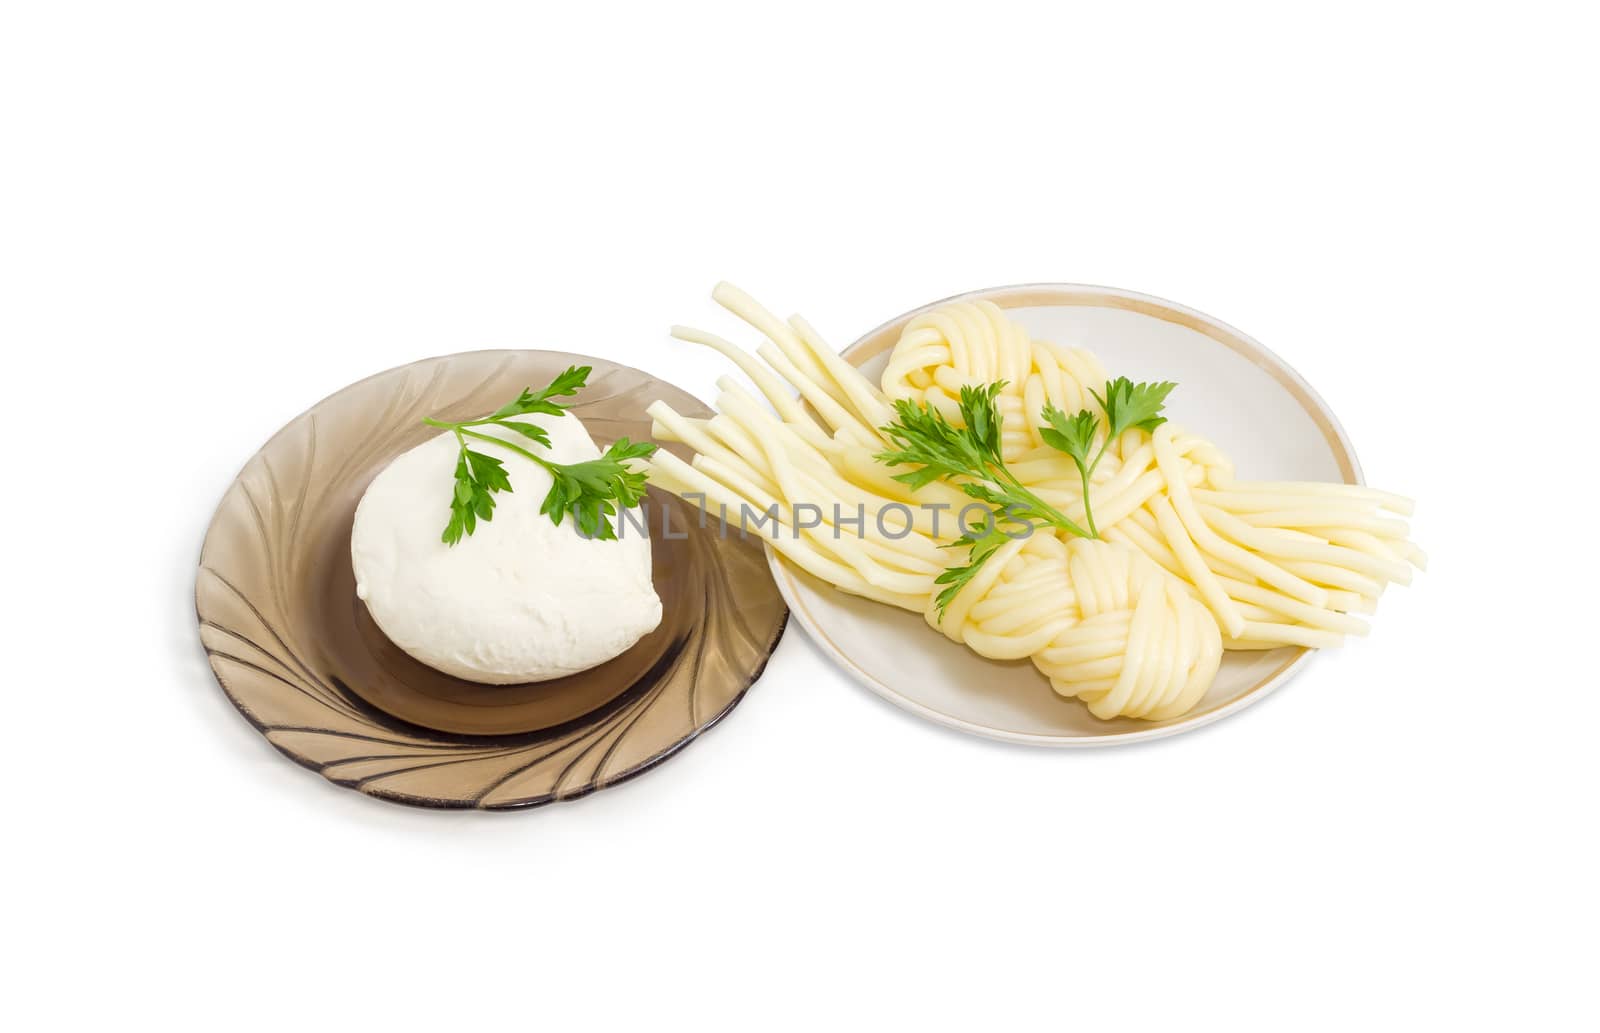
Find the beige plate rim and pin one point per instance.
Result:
(884, 336)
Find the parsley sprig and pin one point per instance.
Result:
(1126, 405)
(590, 491)
(969, 456)
(983, 542)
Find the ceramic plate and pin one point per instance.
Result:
(300, 657)
(1233, 390)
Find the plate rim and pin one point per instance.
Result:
(1025, 295)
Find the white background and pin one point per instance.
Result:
(214, 214)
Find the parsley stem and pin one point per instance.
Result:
(1040, 507)
(460, 430)
(1088, 511)
(1087, 472)
(446, 425)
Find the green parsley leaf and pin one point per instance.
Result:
(1073, 435)
(488, 471)
(586, 490)
(538, 402)
(1129, 405)
(981, 544)
(531, 431)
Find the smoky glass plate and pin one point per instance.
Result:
(300, 657)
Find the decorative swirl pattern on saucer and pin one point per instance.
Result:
(300, 657)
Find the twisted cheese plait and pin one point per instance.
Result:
(1130, 624)
(1102, 622)
(1099, 620)
(1277, 564)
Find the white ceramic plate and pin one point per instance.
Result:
(1231, 389)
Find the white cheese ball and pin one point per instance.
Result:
(519, 599)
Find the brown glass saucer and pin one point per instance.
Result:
(298, 654)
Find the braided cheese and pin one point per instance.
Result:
(1133, 624)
